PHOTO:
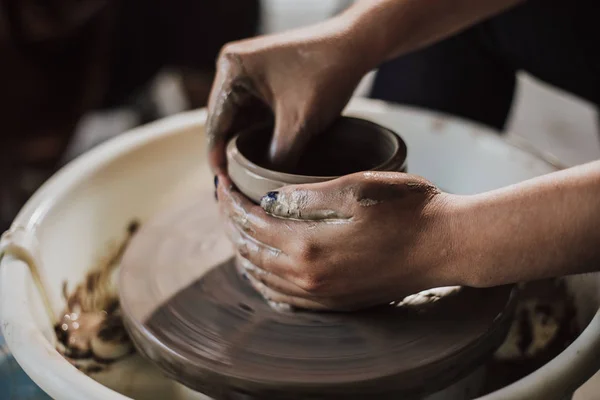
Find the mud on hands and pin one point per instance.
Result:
(360, 240)
(299, 80)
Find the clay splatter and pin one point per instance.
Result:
(90, 333)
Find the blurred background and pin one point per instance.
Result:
(104, 67)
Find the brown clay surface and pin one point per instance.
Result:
(350, 145)
(207, 328)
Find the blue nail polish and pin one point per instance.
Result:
(216, 181)
(272, 196)
(269, 200)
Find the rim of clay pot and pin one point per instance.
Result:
(395, 162)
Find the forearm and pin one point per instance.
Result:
(391, 28)
(541, 228)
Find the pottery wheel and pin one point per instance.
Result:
(191, 313)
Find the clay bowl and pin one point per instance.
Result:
(350, 145)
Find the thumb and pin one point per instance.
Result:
(290, 137)
(234, 104)
(312, 202)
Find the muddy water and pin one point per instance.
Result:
(545, 324)
(90, 332)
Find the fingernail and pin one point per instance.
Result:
(272, 196)
(216, 181)
(268, 200)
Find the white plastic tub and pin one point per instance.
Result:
(70, 221)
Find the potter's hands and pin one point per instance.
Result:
(360, 240)
(306, 76)
(303, 77)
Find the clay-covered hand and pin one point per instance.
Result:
(360, 240)
(302, 79)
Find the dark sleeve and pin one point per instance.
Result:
(198, 29)
(53, 65)
(62, 58)
(185, 34)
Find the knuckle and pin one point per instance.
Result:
(364, 188)
(261, 277)
(312, 284)
(228, 50)
(309, 252)
(247, 228)
(229, 60)
(242, 249)
(241, 221)
(262, 260)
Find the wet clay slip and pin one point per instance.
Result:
(350, 145)
(191, 313)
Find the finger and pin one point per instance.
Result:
(273, 281)
(262, 256)
(253, 220)
(284, 299)
(271, 290)
(326, 201)
(291, 134)
(221, 112)
(233, 104)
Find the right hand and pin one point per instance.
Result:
(304, 78)
(360, 240)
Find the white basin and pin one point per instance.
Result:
(72, 219)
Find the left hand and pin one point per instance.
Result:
(353, 242)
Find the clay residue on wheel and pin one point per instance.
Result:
(90, 332)
(425, 299)
(545, 324)
(218, 334)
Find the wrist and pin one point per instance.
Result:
(397, 27)
(457, 265)
(367, 33)
(495, 234)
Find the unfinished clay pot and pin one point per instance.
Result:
(350, 145)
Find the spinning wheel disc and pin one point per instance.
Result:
(190, 312)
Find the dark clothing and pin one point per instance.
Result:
(60, 59)
(472, 74)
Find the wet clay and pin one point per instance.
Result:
(206, 327)
(545, 324)
(90, 332)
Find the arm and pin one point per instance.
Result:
(412, 235)
(545, 227)
(390, 28)
(275, 76)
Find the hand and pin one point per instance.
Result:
(360, 240)
(303, 77)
